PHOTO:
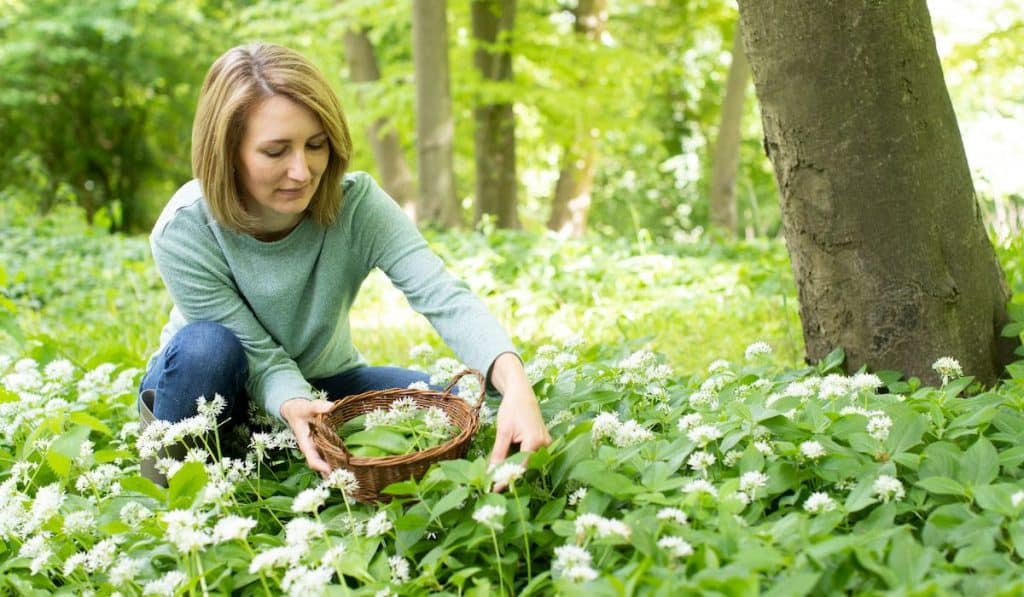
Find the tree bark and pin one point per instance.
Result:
(727, 146)
(884, 232)
(395, 175)
(435, 127)
(495, 134)
(572, 200)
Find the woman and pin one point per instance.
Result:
(264, 252)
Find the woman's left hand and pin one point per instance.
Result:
(519, 420)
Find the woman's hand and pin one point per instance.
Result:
(519, 420)
(299, 412)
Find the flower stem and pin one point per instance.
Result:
(497, 554)
(526, 540)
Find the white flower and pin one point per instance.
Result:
(304, 581)
(603, 527)
(948, 368)
(490, 516)
(878, 427)
(60, 371)
(888, 488)
(819, 502)
(82, 521)
(332, 557)
(834, 386)
(764, 447)
(310, 500)
(232, 528)
(378, 524)
(757, 349)
(47, 503)
(421, 352)
(674, 514)
(37, 547)
(862, 382)
(731, 458)
(577, 496)
(275, 557)
(1017, 498)
(718, 366)
(752, 481)
(689, 421)
(703, 398)
(573, 563)
(167, 585)
(676, 547)
(125, 570)
(184, 530)
(605, 425)
(73, 563)
(741, 497)
(630, 434)
(343, 480)
(812, 450)
(399, 568)
(700, 486)
(700, 460)
(300, 531)
(703, 434)
(508, 473)
(101, 556)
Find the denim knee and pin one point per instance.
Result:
(204, 348)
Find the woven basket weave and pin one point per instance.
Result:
(376, 473)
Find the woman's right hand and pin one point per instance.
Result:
(299, 413)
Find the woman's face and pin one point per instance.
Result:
(282, 155)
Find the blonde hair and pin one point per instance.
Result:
(237, 82)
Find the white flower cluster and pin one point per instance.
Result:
(507, 474)
(601, 527)
(702, 435)
(819, 502)
(573, 563)
(752, 481)
(550, 361)
(948, 368)
(622, 434)
(261, 443)
(888, 488)
(812, 450)
(676, 547)
(757, 350)
(673, 514)
(490, 516)
(641, 372)
(406, 409)
(302, 581)
(161, 434)
(879, 426)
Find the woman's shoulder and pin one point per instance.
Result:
(187, 206)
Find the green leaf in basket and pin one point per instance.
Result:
(352, 426)
(379, 437)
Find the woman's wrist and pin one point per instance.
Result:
(508, 376)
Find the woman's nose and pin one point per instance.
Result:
(298, 168)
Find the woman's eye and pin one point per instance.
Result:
(317, 145)
(274, 153)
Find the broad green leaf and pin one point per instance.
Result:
(65, 449)
(390, 442)
(908, 560)
(907, 429)
(186, 484)
(996, 498)
(91, 422)
(979, 465)
(452, 499)
(139, 484)
(596, 474)
(942, 486)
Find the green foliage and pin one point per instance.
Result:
(760, 475)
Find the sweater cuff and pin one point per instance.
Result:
(281, 388)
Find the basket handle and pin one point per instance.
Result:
(335, 445)
(479, 377)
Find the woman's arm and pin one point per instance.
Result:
(519, 420)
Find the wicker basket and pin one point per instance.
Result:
(376, 473)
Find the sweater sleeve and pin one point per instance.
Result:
(200, 282)
(391, 242)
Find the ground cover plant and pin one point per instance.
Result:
(693, 452)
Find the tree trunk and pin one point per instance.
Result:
(727, 147)
(891, 259)
(387, 150)
(495, 134)
(571, 203)
(435, 127)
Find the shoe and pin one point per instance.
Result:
(147, 466)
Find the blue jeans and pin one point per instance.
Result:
(205, 358)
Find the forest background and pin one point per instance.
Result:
(628, 233)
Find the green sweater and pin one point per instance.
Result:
(288, 301)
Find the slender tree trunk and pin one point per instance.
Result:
(435, 127)
(495, 134)
(387, 150)
(727, 147)
(891, 259)
(572, 200)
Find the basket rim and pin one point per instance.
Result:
(319, 428)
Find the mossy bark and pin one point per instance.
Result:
(890, 255)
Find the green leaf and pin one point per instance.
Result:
(63, 451)
(184, 487)
(908, 560)
(390, 442)
(597, 475)
(979, 465)
(91, 422)
(942, 486)
(139, 484)
(452, 499)
(996, 498)
(907, 430)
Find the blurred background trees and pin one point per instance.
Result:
(588, 116)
